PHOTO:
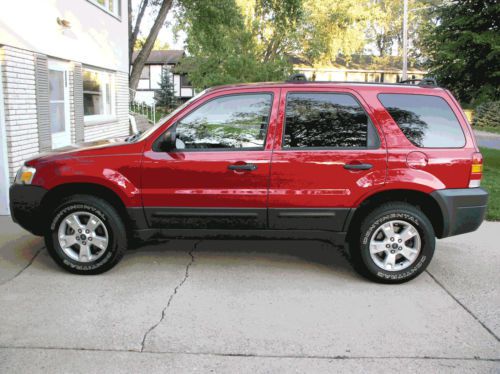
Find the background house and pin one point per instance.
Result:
(63, 77)
(151, 76)
(360, 68)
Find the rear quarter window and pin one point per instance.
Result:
(426, 121)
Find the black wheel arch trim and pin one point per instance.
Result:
(463, 209)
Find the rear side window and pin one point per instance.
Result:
(326, 120)
(427, 121)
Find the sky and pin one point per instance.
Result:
(166, 34)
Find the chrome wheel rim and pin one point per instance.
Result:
(395, 245)
(83, 236)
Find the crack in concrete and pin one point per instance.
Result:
(176, 289)
(24, 268)
(256, 355)
(463, 306)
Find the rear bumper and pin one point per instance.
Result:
(463, 209)
(25, 207)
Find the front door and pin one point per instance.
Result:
(218, 175)
(59, 104)
(328, 154)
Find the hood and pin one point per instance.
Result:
(80, 149)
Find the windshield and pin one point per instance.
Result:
(149, 131)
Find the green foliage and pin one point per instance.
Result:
(464, 49)
(164, 96)
(488, 115)
(221, 49)
(491, 181)
(273, 25)
(331, 28)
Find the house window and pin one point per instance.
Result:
(98, 94)
(185, 81)
(110, 6)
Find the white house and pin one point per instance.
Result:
(151, 76)
(63, 77)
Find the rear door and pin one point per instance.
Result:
(328, 154)
(218, 175)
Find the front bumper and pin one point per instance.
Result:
(463, 210)
(26, 207)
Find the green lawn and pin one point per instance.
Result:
(491, 181)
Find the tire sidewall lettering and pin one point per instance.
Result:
(397, 275)
(54, 227)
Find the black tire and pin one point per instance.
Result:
(360, 243)
(117, 241)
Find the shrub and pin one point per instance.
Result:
(488, 115)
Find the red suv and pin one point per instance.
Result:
(384, 168)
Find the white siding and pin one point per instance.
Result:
(18, 75)
(155, 76)
(94, 38)
(177, 85)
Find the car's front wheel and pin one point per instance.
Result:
(395, 243)
(86, 235)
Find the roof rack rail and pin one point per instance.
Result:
(299, 77)
(424, 82)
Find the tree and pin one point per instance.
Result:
(157, 45)
(273, 25)
(142, 56)
(221, 49)
(464, 49)
(331, 28)
(165, 96)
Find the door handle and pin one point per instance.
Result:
(358, 166)
(242, 167)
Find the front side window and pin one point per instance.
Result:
(426, 121)
(326, 120)
(98, 94)
(227, 122)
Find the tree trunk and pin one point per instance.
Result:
(133, 33)
(143, 55)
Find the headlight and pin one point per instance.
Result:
(25, 175)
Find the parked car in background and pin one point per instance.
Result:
(381, 168)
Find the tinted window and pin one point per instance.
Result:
(238, 121)
(427, 121)
(326, 120)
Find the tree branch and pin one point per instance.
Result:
(143, 55)
(133, 33)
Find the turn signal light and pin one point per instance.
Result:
(476, 172)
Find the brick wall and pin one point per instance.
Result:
(20, 106)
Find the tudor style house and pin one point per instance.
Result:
(63, 77)
(151, 76)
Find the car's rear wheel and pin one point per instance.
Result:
(86, 235)
(395, 243)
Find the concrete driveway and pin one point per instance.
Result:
(248, 306)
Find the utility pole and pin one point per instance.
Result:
(405, 40)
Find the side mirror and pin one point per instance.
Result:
(166, 141)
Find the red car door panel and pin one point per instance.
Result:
(211, 188)
(315, 187)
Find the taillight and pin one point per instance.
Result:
(476, 171)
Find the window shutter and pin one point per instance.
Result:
(78, 102)
(42, 103)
